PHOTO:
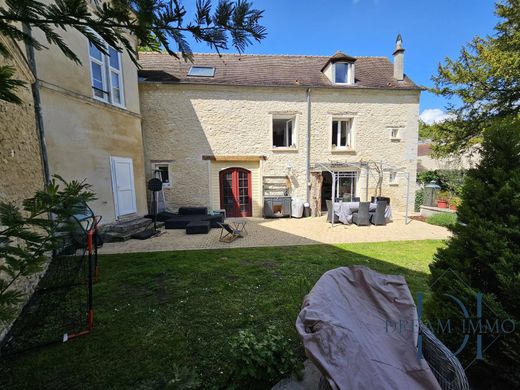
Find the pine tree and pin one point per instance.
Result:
(483, 256)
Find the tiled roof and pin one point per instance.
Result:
(424, 149)
(267, 70)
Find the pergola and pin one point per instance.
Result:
(339, 170)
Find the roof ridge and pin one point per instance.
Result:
(258, 55)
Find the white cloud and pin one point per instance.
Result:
(434, 115)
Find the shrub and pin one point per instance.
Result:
(483, 256)
(261, 361)
(442, 219)
(419, 199)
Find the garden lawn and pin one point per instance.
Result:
(166, 315)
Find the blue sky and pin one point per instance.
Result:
(431, 31)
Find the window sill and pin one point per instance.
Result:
(343, 151)
(393, 184)
(395, 139)
(284, 149)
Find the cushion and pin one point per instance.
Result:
(177, 223)
(214, 219)
(193, 210)
(198, 227)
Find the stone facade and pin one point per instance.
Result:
(20, 158)
(83, 133)
(21, 164)
(183, 123)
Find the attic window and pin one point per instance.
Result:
(201, 71)
(343, 73)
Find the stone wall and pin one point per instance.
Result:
(182, 123)
(21, 172)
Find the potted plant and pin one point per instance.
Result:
(442, 200)
(454, 203)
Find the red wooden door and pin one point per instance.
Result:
(235, 192)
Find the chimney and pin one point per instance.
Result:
(399, 59)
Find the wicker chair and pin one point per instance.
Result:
(444, 364)
(330, 212)
(362, 217)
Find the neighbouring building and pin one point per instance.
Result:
(92, 122)
(222, 129)
(427, 162)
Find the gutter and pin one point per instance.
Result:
(35, 87)
(308, 145)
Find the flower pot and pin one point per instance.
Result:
(442, 204)
(453, 207)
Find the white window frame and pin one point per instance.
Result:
(349, 76)
(290, 119)
(397, 135)
(106, 75)
(155, 167)
(102, 63)
(349, 137)
(119, 72)
(392, 178)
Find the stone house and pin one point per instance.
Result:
(220, 128)
(92, 124)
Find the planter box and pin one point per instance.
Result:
(427, 211)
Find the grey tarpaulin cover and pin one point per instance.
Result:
(347, 327)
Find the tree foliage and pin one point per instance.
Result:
(485, 78)
(157, 25)
(483, 255)
(28, 236)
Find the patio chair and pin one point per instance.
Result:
(362, 217)
(356, 199)
(229, 233)
(445, 366)
(330, 212)
(378, 217)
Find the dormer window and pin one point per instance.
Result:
(339, 69)
(342, 72)
(201, 71)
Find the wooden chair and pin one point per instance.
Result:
(230, 233)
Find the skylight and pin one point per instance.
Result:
(201, 71)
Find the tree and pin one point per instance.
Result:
(485, 78)
(483, 255)
(157, 24)
(27, 236)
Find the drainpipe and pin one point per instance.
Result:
(308, 145)
(35, 87)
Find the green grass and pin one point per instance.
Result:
(158, 312)
(442, 219)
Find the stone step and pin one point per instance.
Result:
(123, 230)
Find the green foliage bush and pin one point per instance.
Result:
(262, 361)
(419, 199)
(443, 219)
(28, 236)
(483, 256)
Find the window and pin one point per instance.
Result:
(394, 133)
(343, 73)
(342, 134)
(393, 177)
(107, 77)
(201, 71)
(162, 171)
(283, 133)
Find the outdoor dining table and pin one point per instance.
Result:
(344, 211)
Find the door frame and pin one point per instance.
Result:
(113, 160)
(249, 211)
